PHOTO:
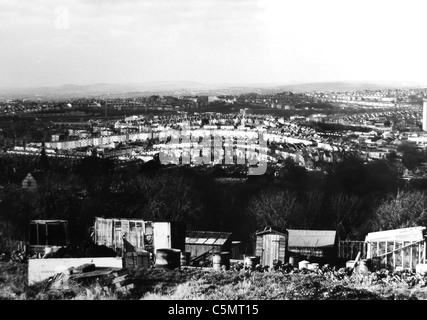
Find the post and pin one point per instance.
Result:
(37, 233)
(410, 261)
(394, 255)
(386, 243)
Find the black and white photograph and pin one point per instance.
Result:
(213, 154)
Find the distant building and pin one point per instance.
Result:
(212, 98)
(31, 180)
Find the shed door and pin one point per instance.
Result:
(270, 249)
(162, 236)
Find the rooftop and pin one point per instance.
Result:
(311, 238)
(403, 234)
(214, 238)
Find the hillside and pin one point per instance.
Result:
(124, 90)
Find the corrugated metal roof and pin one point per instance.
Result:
(206, 237)
(403, 234)
(311, 238)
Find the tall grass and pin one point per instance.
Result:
(196, 284)
(13, 279)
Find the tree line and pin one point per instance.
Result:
(351, 197)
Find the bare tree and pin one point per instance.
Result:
(311, 204)
(273, 208)
(406, 209)
(345, 212)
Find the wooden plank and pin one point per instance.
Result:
(96, 273)
(355, 261)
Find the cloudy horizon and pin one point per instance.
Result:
(46, 42)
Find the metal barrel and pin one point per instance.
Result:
(251, 262)
(221, 260)
(216, 261)
(185, 258)
(293, 261)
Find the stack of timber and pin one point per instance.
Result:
(114, 279)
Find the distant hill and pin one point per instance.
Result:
(186, 87)
(348, 86)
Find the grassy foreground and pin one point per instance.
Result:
(195, 284)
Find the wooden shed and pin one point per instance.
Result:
(143, 235)
(44, 234)
(313, 243)
(404, 247)
(200, 243)
(271, 244)
(30, 182)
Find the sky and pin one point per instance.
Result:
(51, 43)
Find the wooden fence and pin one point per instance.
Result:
(348, 249)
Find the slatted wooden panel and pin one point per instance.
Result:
(283, 246)
(259, 246)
